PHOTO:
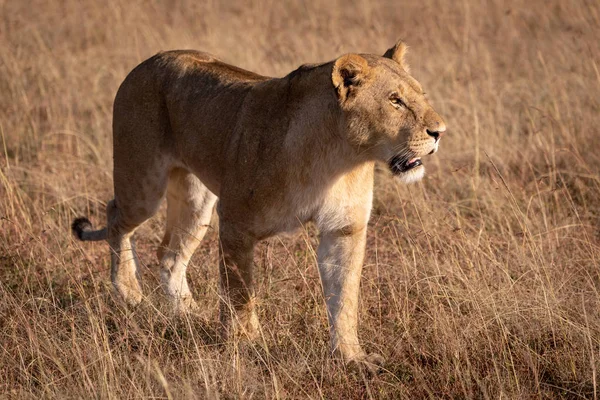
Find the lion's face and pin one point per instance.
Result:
(387, 114)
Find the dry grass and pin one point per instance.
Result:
(480, 282)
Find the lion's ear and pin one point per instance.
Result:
(349, 72)
(398, 54)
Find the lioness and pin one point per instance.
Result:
(277, 153)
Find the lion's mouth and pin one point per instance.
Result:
(399, 165)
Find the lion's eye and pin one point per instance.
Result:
(397, 102)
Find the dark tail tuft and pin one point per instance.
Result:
(81, 225)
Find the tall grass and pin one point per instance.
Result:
(480, 282)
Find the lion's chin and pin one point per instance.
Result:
(406, 168)
(411, 176)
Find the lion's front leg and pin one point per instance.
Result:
(237, 311)
(340, 256)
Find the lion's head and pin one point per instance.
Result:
(387, 115)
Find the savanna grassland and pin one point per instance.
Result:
(482, 281)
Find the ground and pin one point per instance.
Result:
(480, 282)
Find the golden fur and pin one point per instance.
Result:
(276, 152)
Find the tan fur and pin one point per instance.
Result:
(277, 152)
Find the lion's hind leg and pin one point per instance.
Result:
(124, 264)
(138, 194)
(189, 210)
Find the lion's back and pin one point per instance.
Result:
(194, 63)
(181, 73)
(182, 104)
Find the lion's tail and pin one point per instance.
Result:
(83, 230)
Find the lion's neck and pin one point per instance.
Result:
(316, 144)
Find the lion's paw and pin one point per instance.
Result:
(184, 305)
(244, 324)
(369, 363)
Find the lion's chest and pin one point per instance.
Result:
(289, 213)
(331, 207)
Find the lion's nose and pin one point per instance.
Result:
(435, 134)
(438, 132)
